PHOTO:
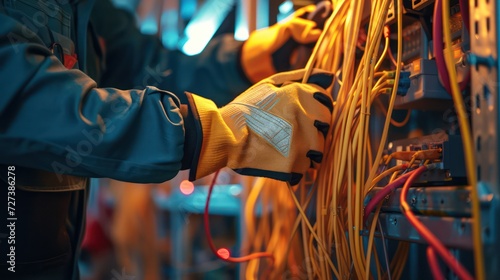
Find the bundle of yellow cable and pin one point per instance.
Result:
(258, 232)
(349, 168)
(332, 247)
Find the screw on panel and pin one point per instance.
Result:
(413, 201)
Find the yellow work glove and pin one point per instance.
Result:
(275, 129)
(271, 50)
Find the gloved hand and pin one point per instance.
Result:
(275, 129)
(271, 50)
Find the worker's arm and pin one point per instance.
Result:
(58, 120)
(135, 60)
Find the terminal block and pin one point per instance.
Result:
(450, 161)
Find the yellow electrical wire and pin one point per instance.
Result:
(470, 161)
(377, 262)
(370, 241)
(392, 170)
(272, 228)
(348, 117)
(351, 116)
(301, 211)
(384, 54)
(393, 121)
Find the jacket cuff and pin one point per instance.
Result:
(193, 136)
(208, 140)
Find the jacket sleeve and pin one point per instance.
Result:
(58, 120)
(135, 60)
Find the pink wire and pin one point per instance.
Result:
(434, 264)
(464, 10)
(425, 233)
(380, 195)
(438, 45)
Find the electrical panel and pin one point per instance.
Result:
(441, 198)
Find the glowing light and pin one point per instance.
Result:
(170, 36)
(223, 253)
(285, 10)
(202, 27)
(241, 28)
(204, 24)
(194, 46)
(241, 33)
(149, 25)
(286, 7)
(186, 187)
(235, 190)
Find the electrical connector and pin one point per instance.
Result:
(386, 91)
(390, 74)
(404, 83)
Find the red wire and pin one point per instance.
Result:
(434, 265)
(433, 241)
(379, 196)
(211, 243)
